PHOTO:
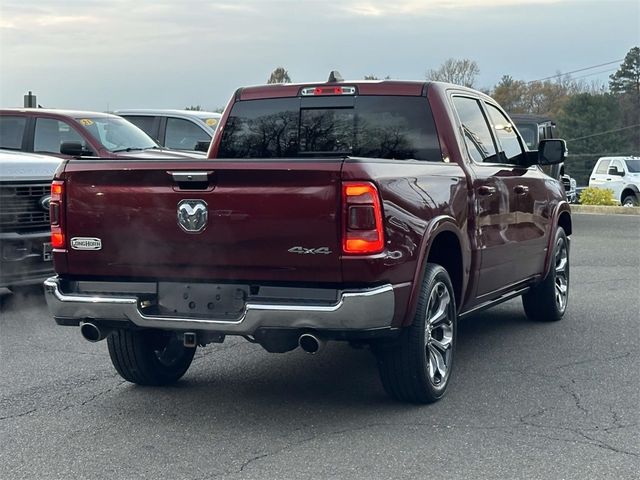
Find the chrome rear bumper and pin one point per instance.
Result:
(354, 310)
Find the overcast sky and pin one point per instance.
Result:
(110, 54)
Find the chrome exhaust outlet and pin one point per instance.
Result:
(92, 333)
(310, 343)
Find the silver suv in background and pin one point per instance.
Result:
(25, 234)
(176, 129)
(621, 175)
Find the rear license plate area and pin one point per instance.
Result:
(202, 299)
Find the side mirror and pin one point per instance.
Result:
(74, 149)
(552, 151)
(614, 171)
(202, 146)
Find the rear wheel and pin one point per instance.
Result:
(418, 368)
(547, 301)
(149, 357)
(630, 201)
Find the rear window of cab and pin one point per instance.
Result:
(389, 127)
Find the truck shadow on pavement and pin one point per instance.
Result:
(238, 375)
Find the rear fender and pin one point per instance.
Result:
(562, 208)
(439, 224)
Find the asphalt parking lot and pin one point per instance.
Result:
(528, 400)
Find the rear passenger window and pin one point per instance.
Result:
(145, 123)
(12, 131)
(603, 168)
(476, 131)
(50, 134)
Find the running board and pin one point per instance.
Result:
(492, 303)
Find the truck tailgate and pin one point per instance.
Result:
(266, 220)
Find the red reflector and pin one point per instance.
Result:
(362, 219)
(57, 238)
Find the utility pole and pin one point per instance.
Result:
(30, 100)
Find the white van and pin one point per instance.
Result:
(620, 174)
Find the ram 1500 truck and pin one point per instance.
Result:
(378, 213)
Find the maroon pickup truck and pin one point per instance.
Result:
(377, 213)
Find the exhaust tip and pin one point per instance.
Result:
(91, 332)
(310, 343)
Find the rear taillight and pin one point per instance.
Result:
(362, 219)
(55, 213)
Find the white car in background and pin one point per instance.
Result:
(175, 129)
(621, 175)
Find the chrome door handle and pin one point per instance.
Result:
(521, 189)
(486, 190)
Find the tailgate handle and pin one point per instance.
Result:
(184, 177)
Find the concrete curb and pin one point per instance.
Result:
(602, 210)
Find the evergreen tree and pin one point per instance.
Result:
(626, 80)
(590, 124)
(625, 84)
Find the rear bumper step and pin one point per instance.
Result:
(354, 310)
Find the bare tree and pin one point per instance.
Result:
(279, 75)
(458, 71)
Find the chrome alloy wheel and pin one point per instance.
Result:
(439, 334)
(562, 277)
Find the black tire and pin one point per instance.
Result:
(547, 301)
(630, 200)
(149, 357)
(408, 369)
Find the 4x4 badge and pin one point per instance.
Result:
(310, 251)
(193, 215)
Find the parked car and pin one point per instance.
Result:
(69, 133)
(534, 128)
(377, 213)
(25, 235)
(176, 129)
(621, 175)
